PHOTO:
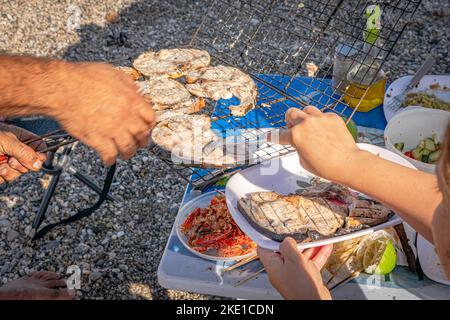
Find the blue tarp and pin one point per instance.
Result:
(317, 91)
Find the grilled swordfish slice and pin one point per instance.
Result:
(169, 98)
(320, 211)
(222, 82)
(366, 212)
(186, 137)
(171, 63)
(278, 216)
(325, 189)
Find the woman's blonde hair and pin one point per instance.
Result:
(443, 169)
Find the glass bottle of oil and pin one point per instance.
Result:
(367, 81)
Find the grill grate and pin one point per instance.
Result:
(275, 42)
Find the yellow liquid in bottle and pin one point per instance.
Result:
(372, 99)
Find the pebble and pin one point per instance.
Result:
(100, 262)
(112, 16)
(5, 268)
(71, 231)
(94, 276)
(4, 223)
(12, 235)
(52, 245)
(120, 234)
(29, 231)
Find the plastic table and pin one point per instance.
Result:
(179, 269)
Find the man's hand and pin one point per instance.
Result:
(296, 275)
(93, 102)
(22, 157)
(323, 142)
(100, 107)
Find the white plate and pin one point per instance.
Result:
(411, 127)
(399, 85)
(429, 261)
(281, 175)
(199, 202)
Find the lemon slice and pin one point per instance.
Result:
(379, 257)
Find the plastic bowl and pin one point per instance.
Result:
(412, 126)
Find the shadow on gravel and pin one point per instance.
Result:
(142, 26)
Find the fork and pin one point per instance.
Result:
(396, 102)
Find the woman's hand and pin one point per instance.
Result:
(296, 275)
(22, 157)
(323, 142)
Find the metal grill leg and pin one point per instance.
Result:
(46, 201)
(84, 179)
(55, 173)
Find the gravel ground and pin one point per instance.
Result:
(120, 246)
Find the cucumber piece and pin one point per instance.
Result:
(429, 145)
(425, 158)
(435, 139)
(417, 153)
(421, 144)
(434, 156)
(426, 152)
(399, 146)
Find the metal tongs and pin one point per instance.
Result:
(54, 140)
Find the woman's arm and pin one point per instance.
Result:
(413, 194)
(327, 149)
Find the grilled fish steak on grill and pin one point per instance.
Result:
(222, 82)
(169, 98)
(186, 137)
(171, 63)
(311, 215)
(163, 91)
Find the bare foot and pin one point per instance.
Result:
(41, 285)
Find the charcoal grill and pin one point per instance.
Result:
(273, 41)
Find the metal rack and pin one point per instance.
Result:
(273, 41)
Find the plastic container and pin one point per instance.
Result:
(344, 56)
(367, 85)
(413, 125)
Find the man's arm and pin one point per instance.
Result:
(30, 85)
(92, 101)
(327, 149)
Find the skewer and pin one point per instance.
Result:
(241, 263)
(245, 280)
